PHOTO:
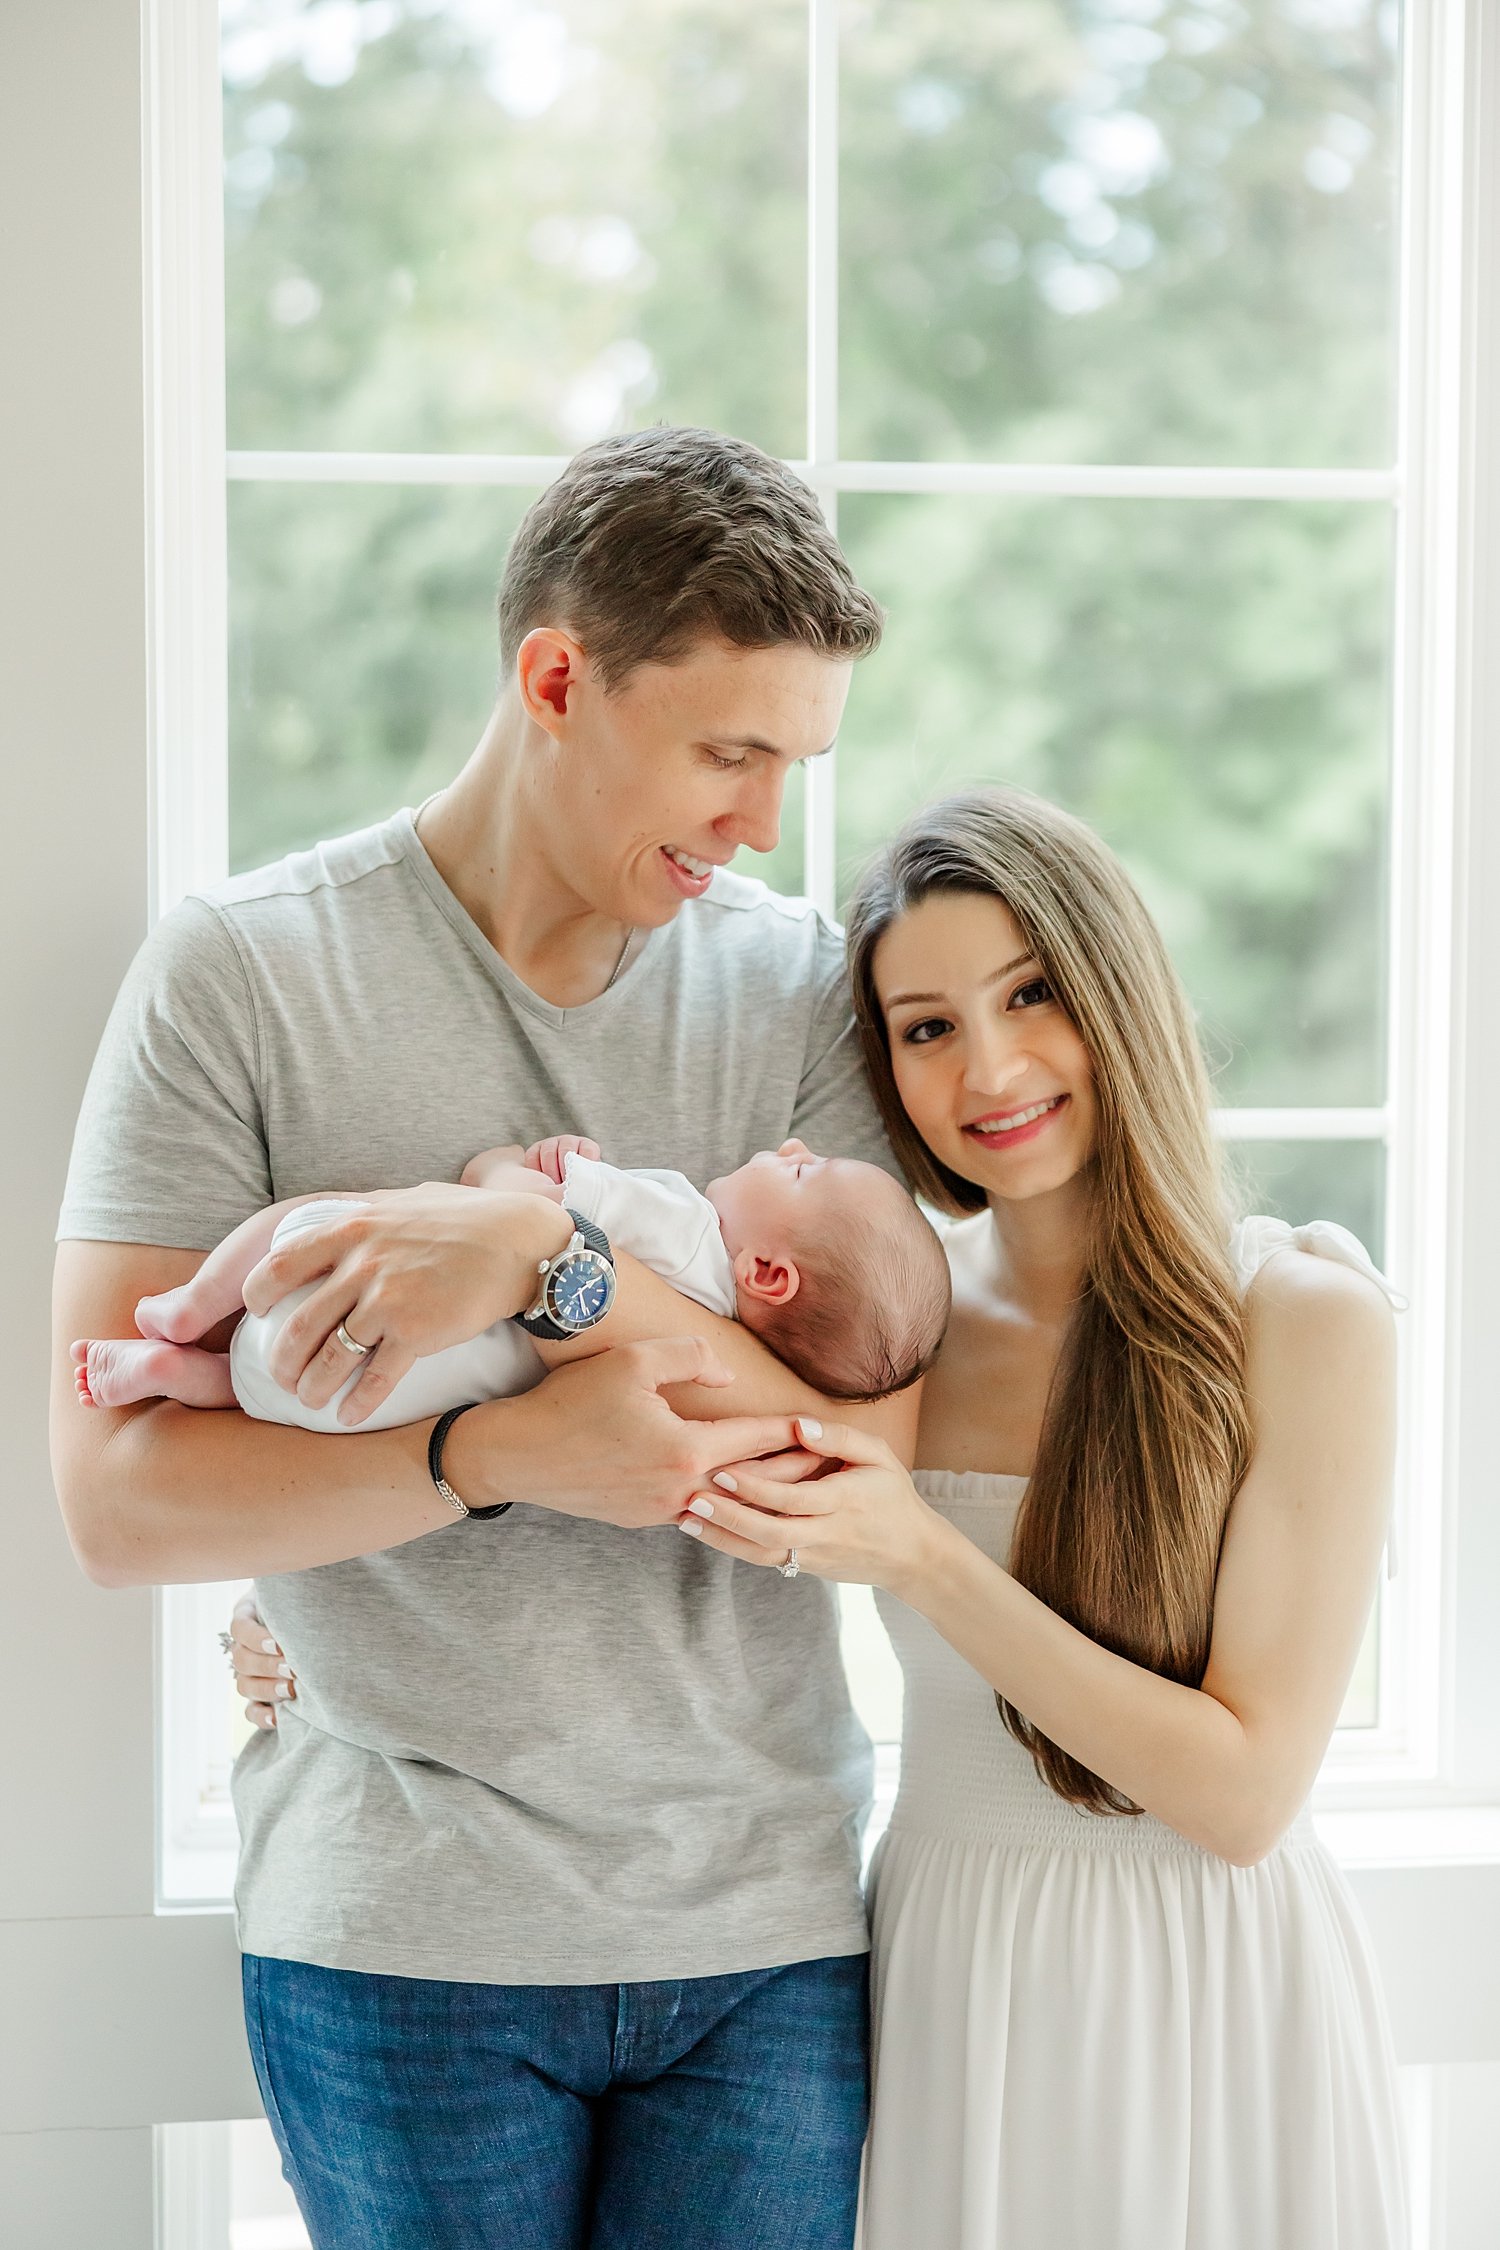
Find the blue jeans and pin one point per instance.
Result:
(413, 2114)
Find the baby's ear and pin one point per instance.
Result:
(775, 1281)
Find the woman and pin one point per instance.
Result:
(1123, 2001)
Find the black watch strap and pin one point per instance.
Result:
(594, 1237)
(435, 1444)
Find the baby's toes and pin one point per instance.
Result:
(94, 1374)
(109, 1372)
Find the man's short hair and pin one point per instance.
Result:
(649, 543)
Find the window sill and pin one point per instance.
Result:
(1412, 1836)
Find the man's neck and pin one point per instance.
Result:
(489, 839)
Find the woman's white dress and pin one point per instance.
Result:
(1089, 2033)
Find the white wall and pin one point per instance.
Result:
(1466, 2152)
(93, 1992)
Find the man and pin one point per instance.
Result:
(548, 1888)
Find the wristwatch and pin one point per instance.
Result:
(577, 1287)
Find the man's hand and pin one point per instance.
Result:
(598, 1440)
(552, 1155)
(408, 1273)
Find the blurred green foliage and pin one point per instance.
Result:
(1342, 1180)
(1205, 682)
(1118, 230)
(486, 225)
(1130, 230)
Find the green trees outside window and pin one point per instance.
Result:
(1071, 231)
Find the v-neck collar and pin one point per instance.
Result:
(516, 990)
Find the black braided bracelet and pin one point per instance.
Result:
(435, 1444)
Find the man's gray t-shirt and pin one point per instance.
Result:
(536, 1750)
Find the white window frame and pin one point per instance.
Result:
(1437, 1745)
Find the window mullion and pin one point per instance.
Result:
(820, 849)
(1060, 480)
(1314, 1124)
(1421, 1209)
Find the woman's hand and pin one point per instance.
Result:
(408, 1272)
(261, 1673)
(860, 1520)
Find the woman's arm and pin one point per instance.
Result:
(1228, 1765)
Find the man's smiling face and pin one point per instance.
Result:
(665, 778)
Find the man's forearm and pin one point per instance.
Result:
(647, 1306)
(160, 1494)
(173, 1496)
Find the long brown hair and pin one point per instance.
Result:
(1146, 1433)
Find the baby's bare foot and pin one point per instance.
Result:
(171, 1316)
(120, 1371)
(109, 1374)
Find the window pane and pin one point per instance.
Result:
(1119, 230)
(1362, 1698)
(1205, 682)
(1302, 1180)
(1342, 1180)
(870, 1664)
(363, 654)
(508, 229)
(363, 658)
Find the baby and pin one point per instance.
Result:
(827, 1260)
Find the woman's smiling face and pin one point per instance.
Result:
(989, 1068)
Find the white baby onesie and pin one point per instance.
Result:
(659, 1217)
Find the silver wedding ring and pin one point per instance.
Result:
(342, 1336)
(791, 1568)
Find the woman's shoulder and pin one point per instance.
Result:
(1318, 1263)
(1312, 1286)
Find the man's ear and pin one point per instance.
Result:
(550, 666)
(774, 1280)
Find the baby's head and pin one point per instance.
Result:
(835, 1269)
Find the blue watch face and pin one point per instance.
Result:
(581, 1291)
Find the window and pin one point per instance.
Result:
(1108, 332)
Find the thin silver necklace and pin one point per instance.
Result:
(619, 965)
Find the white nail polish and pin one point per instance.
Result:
(269, 1648)
(285, 1671)
(693, 1530)
(723, 1478)
(282, 1690)
(700, 1507)
(808, 1427)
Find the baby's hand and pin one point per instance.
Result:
(550, 1156)
(481, 1169)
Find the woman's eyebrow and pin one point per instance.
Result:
(908, 999)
